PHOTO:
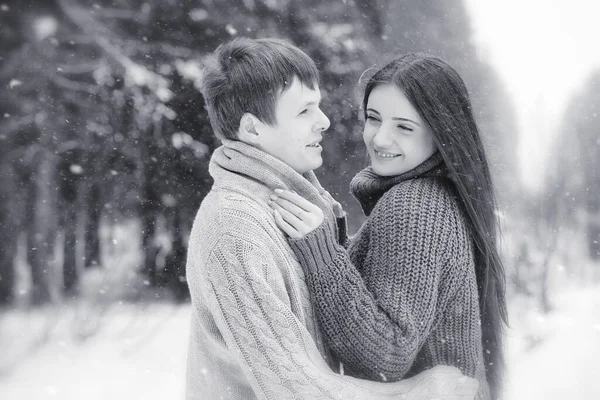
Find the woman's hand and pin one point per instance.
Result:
(295, 215)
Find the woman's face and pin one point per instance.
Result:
(397, 139)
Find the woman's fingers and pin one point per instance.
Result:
(284, 226)
(288, 206)
(287, 216)
(298, 213)
(297, 200)
(301, 224)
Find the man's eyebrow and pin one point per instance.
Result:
(311, 103)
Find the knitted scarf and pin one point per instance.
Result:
(368, 187)
(250, 164)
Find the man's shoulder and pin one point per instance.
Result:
(225, 211)
(222, 202)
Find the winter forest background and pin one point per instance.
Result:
(104, 148)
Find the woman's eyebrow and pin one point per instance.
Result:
(406, 119)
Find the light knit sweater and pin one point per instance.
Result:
(253, 329)
(403, 297)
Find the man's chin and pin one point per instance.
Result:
(317, 165)
(309, 167)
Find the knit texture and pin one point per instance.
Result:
(253, 329)
(403, 297)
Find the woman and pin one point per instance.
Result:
(421, 283)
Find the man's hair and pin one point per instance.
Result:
(247, 76)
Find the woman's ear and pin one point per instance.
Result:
(247, 132)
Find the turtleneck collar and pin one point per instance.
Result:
(245, 168)
(368, 187)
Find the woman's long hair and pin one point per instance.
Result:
(440, 96)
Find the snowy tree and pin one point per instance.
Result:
(103, 119)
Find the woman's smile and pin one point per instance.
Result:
(386, 155)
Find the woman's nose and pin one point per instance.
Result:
(382, 138)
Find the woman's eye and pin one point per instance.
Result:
(372, 118)
(405, 128)
(303, 111)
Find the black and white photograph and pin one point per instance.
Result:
(299, 199)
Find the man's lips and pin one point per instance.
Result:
(315, 144)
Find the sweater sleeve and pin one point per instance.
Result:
(342, 226)
(413, 240)
(276, 353)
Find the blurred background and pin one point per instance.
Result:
(104, 149)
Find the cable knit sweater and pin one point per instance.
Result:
(403, 297)
(253, 329)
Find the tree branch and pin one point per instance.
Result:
(134, 73)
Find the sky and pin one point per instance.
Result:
(543, 51)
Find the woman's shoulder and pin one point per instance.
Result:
(434, 191)
(430, 200)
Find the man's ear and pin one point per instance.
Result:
(247, 132)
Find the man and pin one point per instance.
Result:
(253, 332)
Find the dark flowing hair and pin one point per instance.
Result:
(441, 98)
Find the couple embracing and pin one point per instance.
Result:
(284, 304)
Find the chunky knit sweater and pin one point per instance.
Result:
(403, 297)
(253, 330)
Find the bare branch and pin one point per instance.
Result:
(116, 13)
(81, 68)
(12, 124)
(72, 85)
(136, 73)
(162, 47)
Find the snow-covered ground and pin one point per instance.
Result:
(124, 351)
(556, 356)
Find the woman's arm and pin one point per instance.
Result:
(412, 240)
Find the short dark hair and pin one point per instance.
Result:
(248, 75)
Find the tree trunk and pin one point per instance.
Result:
(149, 208)
(175, 262)
(70, 207)
(7, 256)
(544, 282)
(148, 232)
(593, 237)
(70, 259)
(41, 232)
(92, 226)
(8, 235)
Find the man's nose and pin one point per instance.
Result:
(323, 123)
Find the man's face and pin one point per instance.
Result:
(298, 130)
